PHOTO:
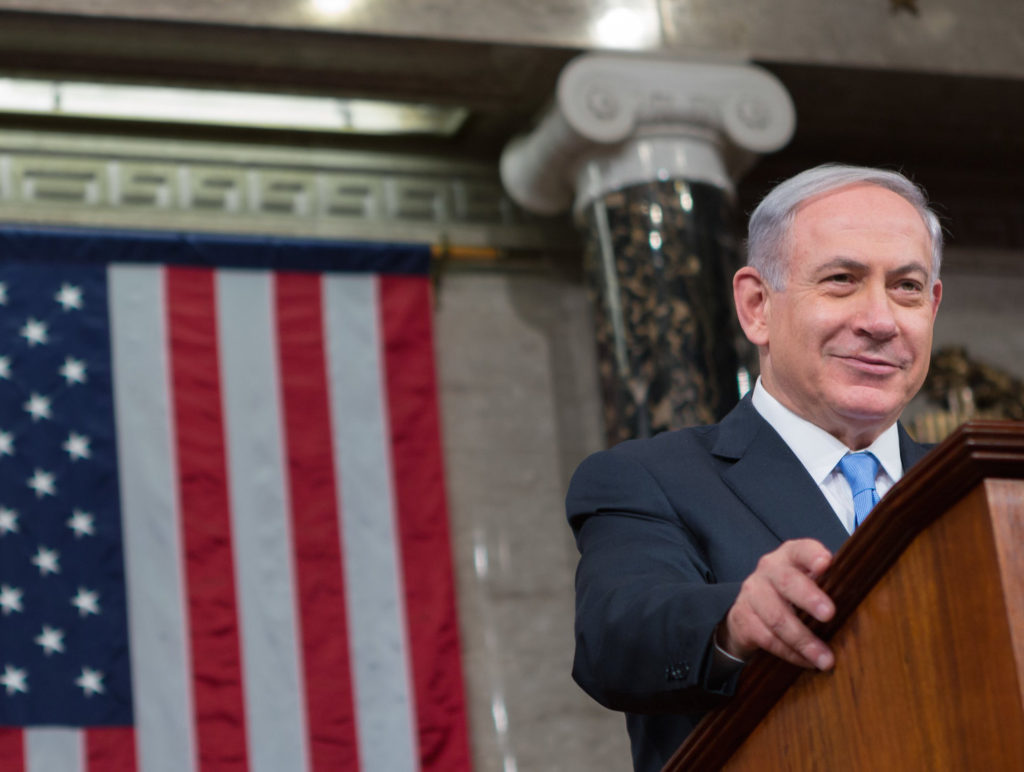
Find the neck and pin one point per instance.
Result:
(856, 435)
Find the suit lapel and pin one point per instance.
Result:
(771, 481)
(911, 452)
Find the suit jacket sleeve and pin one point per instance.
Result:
(667, 530)
(647, 599)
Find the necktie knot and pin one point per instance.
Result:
(860, 470)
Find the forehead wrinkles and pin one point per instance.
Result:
(846, 219)
(778, 264)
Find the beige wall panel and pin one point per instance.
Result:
(983, 307)
(520, 409)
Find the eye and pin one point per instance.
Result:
(840, 278)
(909, 285)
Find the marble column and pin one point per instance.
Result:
(659, 258)
(646, 151)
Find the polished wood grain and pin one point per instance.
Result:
(928, 635)
(1005, 497)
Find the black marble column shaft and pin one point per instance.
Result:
(659, 263)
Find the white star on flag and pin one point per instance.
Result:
(47, 561)
(8, 521)
(91, 681)
(14, 680)
(52, 640)
(37, 406)
(43, 483)
(86, 601)
(69, 297)
(73, 371)
(5, 368)
(3, 293)
(81, 523)
(77, 446)
(10, 599)
(35, 332)
(6, 444)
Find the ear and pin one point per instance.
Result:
(750, 293)
(936, 297)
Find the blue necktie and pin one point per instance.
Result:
(860, 470)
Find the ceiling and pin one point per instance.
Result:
(959, 136)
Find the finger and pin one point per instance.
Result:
(771, 624)
(809, 555)
(777, 647)
(793, 569)
(823, 660)
(762, 637)
(801, 591)
(763, 614)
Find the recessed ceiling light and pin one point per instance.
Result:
(334, 7)
(626, 28)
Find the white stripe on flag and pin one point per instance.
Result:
(380, 662)
(54, 749)
(161, 670)
(261, 530)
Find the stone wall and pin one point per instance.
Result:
(520, 409)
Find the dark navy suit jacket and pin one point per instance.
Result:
(667, 529)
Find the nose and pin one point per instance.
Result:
(875, 316)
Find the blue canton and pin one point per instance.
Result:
(63, 626)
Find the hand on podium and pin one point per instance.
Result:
(764, 613)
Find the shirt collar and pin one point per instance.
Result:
(818, 450)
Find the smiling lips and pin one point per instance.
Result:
(871, 364)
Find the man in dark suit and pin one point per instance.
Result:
(698, 546)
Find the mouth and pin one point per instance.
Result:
(872, 365)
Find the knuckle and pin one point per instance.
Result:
(748, 588)
(785, 584)
(777, 622)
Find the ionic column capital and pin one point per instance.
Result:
(620, 111)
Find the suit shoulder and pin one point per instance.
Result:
(653, 454)
(691, 437)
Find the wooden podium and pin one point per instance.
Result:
(928, 635)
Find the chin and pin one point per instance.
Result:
(871, 412)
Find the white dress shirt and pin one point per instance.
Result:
(820, 452)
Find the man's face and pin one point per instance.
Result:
(847, 341)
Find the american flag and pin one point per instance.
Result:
(223, 529)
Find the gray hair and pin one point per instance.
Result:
(771, 221)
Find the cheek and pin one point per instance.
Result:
(917, 338)
(819, 329)
(917, 333)
(808, 324)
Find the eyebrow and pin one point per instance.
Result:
(846, 263)
(906, 268)
(851, 264)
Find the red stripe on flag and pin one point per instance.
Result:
(206, 522)
(110, 748)
(12, 748)
(423, 523)
(317, 539)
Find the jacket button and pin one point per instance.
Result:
(677, 672)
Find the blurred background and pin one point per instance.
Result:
(393, 120)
